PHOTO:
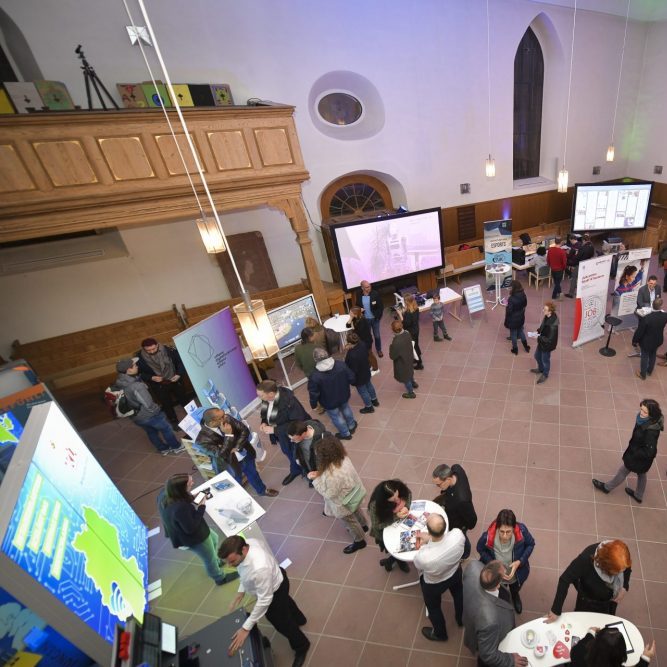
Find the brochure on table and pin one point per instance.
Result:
(231, 507)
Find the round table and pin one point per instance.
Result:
(341, 325)
(577, 623)
(498, 271)
(391, 535)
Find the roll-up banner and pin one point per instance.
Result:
(498, 250)
(631, 274)
(591, 304)
(213, 357)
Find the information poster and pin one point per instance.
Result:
(498, 250)
(631, 274)
(474, 299)
(213, 357)
(591, 304)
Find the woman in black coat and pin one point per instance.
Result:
(547, 341)
(640, 452)
(410, 318)
(362, 328)
(356, 360)
(606, 648)
(515, 316)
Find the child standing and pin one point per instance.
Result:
(438, 315)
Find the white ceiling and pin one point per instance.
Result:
(640, 10)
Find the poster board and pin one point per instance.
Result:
(590, 307)
(498, 250)
(474, 299)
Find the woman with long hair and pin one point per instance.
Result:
(390, 501)
(601, 575)
(511, 543)
(356, 359)
(629, 280)
(515, 316)
(640, 452)
(338, 482)
(185, 526)
(362, 328)
(606, 648)
(410, 317)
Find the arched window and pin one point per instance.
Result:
(528, 88)
(354, 195)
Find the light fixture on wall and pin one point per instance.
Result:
(251, 313)
(610, 148)
(563, 176)
(490, 164)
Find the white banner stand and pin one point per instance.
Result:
(474, 300)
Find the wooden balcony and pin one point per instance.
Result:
(74, 171)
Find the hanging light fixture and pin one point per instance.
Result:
(563, 176)
(490, 165)
(254, 321)
(610, 148)
(210, 235)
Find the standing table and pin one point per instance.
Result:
(498, 271)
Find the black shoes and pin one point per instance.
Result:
(227, 578)
(536, 370)
(367, 411)
(376, 403)
(632, 494)
(340, 436)
(290, 478)
(430, 634)
(515, 350)
(415, 385)
(355, 546)
(419, 367)
(518, 607)
(447, 337)
(409, 395)
(354, 428)
(387, 563)
(526, 346)
(300, 657)
(600, 486)
(403, 566)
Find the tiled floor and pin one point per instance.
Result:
(530, 448)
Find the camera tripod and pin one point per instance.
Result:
(90, 77)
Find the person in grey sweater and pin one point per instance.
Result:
(149, 415)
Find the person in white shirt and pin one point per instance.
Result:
(262, 577)
(439, 563)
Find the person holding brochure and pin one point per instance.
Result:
(605, 647)
(338, 482)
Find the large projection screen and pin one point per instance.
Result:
(388, 247)
(600, 207)
(72, 547)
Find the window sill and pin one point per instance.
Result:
(533, 182)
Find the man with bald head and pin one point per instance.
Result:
(439, 563)
(370, 302)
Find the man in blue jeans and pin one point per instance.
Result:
(149, 415)
(546, 342)
(371, 304)
(329, 385)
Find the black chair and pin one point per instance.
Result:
(612, 321)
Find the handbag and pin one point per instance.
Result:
(353, 498)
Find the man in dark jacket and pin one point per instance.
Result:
(329, 385)
(371, 303)
(402, 354)
(149, 415)
(227, 441)
(586, 251)
(305, 435)
(546, 342)
(456, 499)
(161, 368)
(280, 407)
(649, 337)
(648, 293)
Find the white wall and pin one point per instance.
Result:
(428, 61)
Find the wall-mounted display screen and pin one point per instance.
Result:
(289, 320)
(611, 206)
(388, 247)
(70, 528)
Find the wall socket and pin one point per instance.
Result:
(465, 188)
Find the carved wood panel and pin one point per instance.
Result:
(13, 174)
(229, 149)
(126, 158)
(274, 146)
(65, 162)
(173, 161)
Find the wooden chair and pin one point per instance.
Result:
(539, 275)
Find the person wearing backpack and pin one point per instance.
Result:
(640, 452)
(149, 415)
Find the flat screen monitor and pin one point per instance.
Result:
(69, 541)
(388, 247)
(610, 206)
(289, 320)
